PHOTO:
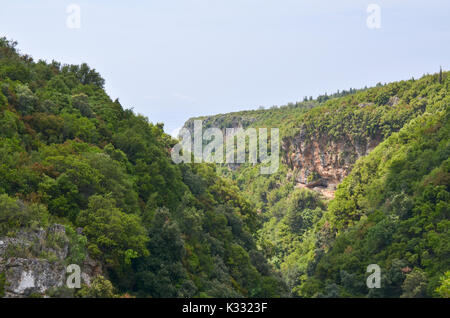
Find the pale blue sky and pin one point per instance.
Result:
(174, 59)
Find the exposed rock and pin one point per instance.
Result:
(317, 162)
(394, 100)
(91, 268)
(362, 105)
(26, 269)
(27, 276)
(327, 160)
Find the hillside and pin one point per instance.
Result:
(385, 149)
(364, 179)
(84, 181)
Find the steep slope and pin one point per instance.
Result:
(320, 147)
(393, 210)
(70, 155)
(322, 139)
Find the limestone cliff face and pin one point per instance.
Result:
(33, 266)
(317, 160)
(321, 162)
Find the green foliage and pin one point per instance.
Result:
(77, 246)
(415, 285)
(66, 147)
(14, 214)
(444, 289)
(112, 234)
(391, 210)
(99, 288)
(394, 205)
(26, 101)
(81, 102)
(71, 155)
(2, 285)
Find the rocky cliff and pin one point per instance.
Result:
(34, 262)
(321, 142)
(316, 160)
(320, 162)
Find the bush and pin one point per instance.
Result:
(113, 235)
(415, 284)
(444, 289)
(14, 214)
(100, 288)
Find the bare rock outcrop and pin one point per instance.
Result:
(34, 262)
(320, 162)
(32, 276)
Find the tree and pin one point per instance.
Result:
(14, 214)
(26, 99)
(303, 208)
(415, 284)
(81, 102)
(444, 289)
(113, 235)
(99, 288)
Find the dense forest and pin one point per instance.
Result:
(392, 209)
(70, 155)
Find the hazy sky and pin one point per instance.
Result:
(174, 59)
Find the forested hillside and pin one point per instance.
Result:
(386, 150)
(69, 155)
(364, 179)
